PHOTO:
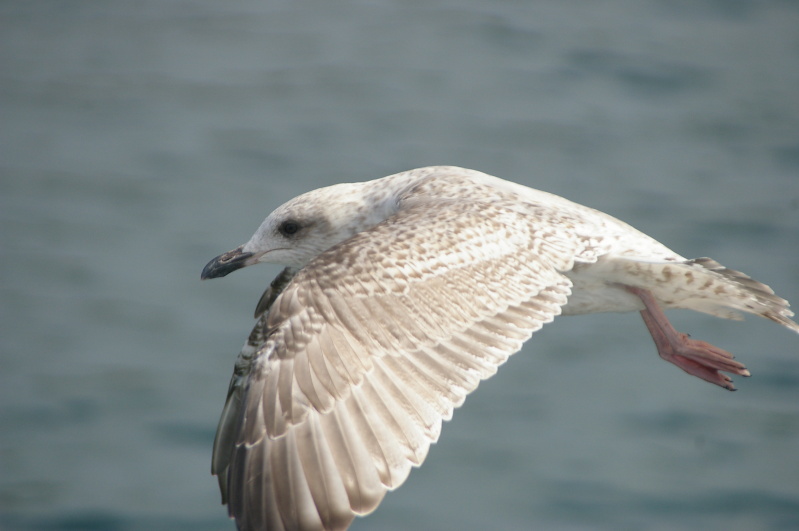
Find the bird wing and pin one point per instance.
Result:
(375, 342)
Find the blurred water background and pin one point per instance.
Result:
(140, 139)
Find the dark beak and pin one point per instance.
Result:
(226, 263)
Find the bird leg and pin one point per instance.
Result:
(698, 358)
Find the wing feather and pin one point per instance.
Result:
(320, 471)
(379, 436)
(357, 485)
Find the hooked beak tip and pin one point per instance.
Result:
(226, 263)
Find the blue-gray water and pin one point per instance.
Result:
(140, 139)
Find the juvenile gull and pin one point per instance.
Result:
(399, 296)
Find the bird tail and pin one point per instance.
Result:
(724, 292)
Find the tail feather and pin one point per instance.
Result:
(753, 297)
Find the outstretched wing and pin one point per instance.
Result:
(375, 342)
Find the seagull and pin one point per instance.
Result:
(399, 295)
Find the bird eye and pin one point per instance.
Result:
(289, 227)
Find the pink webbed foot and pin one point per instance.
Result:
(698, 358)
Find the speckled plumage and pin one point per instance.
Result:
(400, 296)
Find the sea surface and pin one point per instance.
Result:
(140, 139)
